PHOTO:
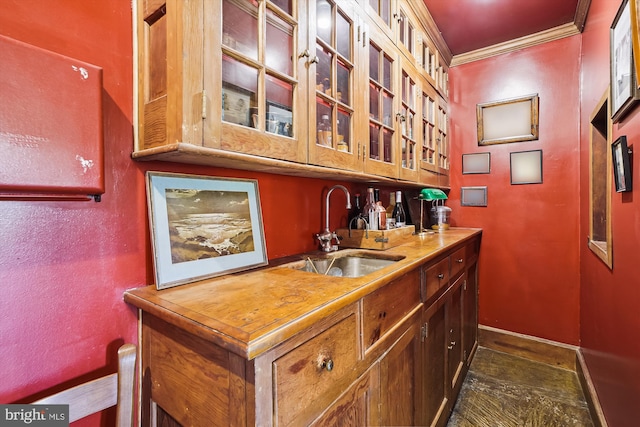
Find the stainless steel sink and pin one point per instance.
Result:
(356, 264)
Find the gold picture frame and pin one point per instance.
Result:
(509, 120)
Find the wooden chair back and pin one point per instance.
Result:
(94, 396)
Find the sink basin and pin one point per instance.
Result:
(351, 264)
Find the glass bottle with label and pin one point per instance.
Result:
(398, 211)
(370, 212)
(381, 211)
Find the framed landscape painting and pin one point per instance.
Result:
(203, 227)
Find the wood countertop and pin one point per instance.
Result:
(251, 312)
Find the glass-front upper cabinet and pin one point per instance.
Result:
(429, 149)
(258, 77)
(382, 156)
(409, 122)
(332, 59)
(442, 137)
(383, 14)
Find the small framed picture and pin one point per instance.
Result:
(621, 164)
(236, 104)
(526, 167)
(476, 163)
(203, 227)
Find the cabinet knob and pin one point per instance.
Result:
(460, 260)
(441, 276)
(314, 60)
(305, 54)
(327, 364)
(450, 346)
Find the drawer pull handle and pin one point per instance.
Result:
(441, 276)
(327, 364)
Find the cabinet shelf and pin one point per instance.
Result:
(182, 152)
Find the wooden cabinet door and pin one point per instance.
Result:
(433, 395)
(454, 334)
(470, 320)
(400, 380)
(254, 79)
(335, 89)
(380, 149)
(357, 406)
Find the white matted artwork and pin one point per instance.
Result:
(473, 196)
(526, 167)
(203, 227)
(476, 163)
(509, 120)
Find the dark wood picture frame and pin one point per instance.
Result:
(621, 159)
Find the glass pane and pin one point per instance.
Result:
(279, 46)
(240, 27)
(385, 12)
(239, 88)
(374, 102)
(387, 109)
(374, 144)
(324, 20)
(401, 29)
(374, 63)
(279, 106)
(374, 6)
(342, 75)
(387, 145)
(324, 128)
(386, 70)
(323, 70)
(285, 5)
(344, 131)
(409, 37)
(343, 37)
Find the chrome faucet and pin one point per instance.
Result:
(327, 236)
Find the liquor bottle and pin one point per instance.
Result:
(381, 212)
(369, 210)
(398, 211)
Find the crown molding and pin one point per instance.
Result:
(556, 33)
(566, 30)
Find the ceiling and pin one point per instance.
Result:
(475, 25)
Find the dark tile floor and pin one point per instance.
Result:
(502, 390)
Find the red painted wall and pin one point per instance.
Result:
(65, 265)
(609, 321)
(529, 263)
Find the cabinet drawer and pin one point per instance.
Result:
(384, 308)
(312, 375)
(458, 261)
(436, 277)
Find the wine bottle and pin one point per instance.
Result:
(398, 211)
(355, 216)
(381, 212)
(369, 210)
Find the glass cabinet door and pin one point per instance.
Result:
(442, 138)
(260, 90)
(381, 156)
(332, 73)
(428, 155)
(409, 125)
